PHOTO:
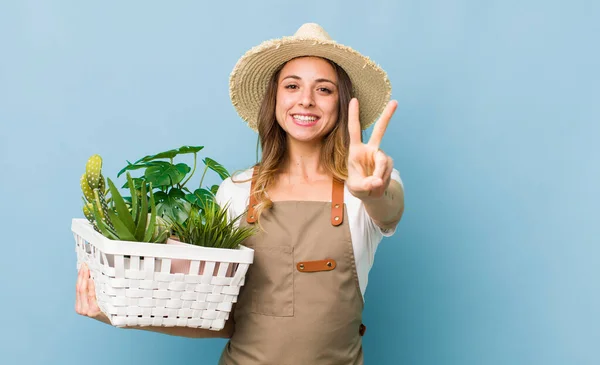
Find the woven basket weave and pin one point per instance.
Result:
(136, 285)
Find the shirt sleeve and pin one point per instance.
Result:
(374, 227)
(234, 195)
(224, 197)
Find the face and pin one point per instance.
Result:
(307, 98)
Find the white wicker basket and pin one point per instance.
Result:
(136, 286)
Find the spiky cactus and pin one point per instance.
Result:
(93, 187)
(92, 171)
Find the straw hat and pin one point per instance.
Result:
(250, 76)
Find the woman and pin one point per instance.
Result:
(322, 199)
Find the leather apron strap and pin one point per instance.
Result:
(337, 201)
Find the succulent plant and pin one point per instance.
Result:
(120, 220)
(212, 228)
(130, 224)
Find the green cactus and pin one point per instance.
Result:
(90, 181)
(102, 184)
(88, 211)
(88, 192)
(92, 171)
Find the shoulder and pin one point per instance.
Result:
(239, 181)
(235, 190)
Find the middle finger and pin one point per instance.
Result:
(78, 290)
(380, 164)
(386, 178)
(83, 295)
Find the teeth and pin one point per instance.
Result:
(304, 118)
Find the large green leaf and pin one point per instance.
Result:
(189, 149)
(171, 153)
(216, 167)
(137, 183)
(130, 166)
(140, 165)
(147, 161)
(214, 189)
(202, 195)
(199, 197)
(173, 206)
(165, 174)
(191, 198)
(165, 154)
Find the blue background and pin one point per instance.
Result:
(496, 260)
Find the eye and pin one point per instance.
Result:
(325, 90)
(291, 86)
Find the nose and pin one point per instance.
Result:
(306, 98)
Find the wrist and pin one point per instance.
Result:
(370, 197)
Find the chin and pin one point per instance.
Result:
(307, 139)
(301, 137)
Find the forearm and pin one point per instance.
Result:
(386, 211)
(226, 332)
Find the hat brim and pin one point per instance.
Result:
(249, 79)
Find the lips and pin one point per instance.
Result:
(305, 120)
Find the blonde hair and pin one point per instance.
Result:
(273, 140)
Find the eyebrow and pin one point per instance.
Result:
(317, 80)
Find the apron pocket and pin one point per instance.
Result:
(273, 281)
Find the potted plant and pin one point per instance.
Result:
(137, 278)
(208, 226)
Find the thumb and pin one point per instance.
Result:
(371, 182)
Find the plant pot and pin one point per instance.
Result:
(183, 266)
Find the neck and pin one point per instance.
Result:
(303, 163)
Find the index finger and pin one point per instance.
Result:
(382, 123)
(353, 122)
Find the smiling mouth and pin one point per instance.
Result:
(305, 120)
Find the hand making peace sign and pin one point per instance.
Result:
(369, 168)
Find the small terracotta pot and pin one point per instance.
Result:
(183, 266)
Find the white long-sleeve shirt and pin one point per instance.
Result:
(365, 234)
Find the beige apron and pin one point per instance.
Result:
(301, 302)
